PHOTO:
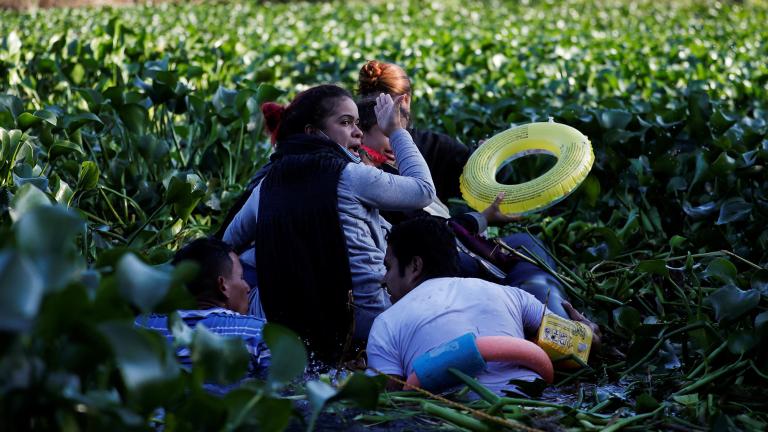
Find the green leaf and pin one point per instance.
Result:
(88, 177)
(702, 169)
(76, 121)
(732, 210)
(143, 358)
(289, 356)
(27, 120)
(724, 164)
(318, 394)
(676, 241)
(28, 197)
(223, 360)
(731, 303)
(62, 147)
(182, 334)
(614, 119)
(742, 341)
(722, 270)
(761, 325)
(142, 285)
(646, 403)
(267, 93)
(591, 189)
(759, 281)
(135, 117)
(48, 230)
(627, 318)
(21, 291)
(658, 267)
(362, 389)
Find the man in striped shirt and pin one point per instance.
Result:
(222, 300)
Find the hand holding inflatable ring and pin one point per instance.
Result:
(574, 161)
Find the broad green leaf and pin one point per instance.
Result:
(759, 281)
(21, 291)
(742, 341)
(702, 169)
(731, 303)
(676, 241)
(13, 43)
(48, 230)
(62, 147)
(27, 198)
(76, 121)
(142, 285)
(591, 189)
(722, 270)
(182, 334)
(318, 394)
(658, 267)
(724, 164)
(267, 93)
(627, 318)
(223, 360)
(361, 389)
(732, 210)
(699, 212)
(761, 325)
(289, 356)
(27, 120)
(88, 177)
(135, 118)
(614, 119)
(645, 403)
(144, 362)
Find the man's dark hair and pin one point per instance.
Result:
(429, 238)
(212, 257)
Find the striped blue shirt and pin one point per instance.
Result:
(220, 321)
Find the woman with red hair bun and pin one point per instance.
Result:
(308, 227)
(445, 156)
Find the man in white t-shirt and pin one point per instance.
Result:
(432, 307)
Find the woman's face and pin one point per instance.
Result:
(341, 125)
(376, 140)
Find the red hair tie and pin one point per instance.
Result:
(273, 116)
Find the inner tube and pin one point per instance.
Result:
(574, 161)
(470, 354)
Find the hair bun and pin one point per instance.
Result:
(369, 76)
(273, 115)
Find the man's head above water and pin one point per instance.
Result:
(419, 249)
(219, 281)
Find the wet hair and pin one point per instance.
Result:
(379, 77)
(427, 237)
(365, 109)
(309, 107)
(212, 257)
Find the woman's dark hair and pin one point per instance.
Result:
(379, 77)
(429, 238)
(309, 107)
(367, 113)
(212, 258)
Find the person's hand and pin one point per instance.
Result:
(388, 113)
(494, 216)
(579, 317)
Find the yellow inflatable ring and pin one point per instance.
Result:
(574, 160)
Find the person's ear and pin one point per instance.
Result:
(407, 101)
(417, 268)
(223, 288)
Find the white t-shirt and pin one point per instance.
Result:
(442, 309)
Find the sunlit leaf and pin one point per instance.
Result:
(732, 210)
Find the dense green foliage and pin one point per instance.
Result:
(124, 133)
